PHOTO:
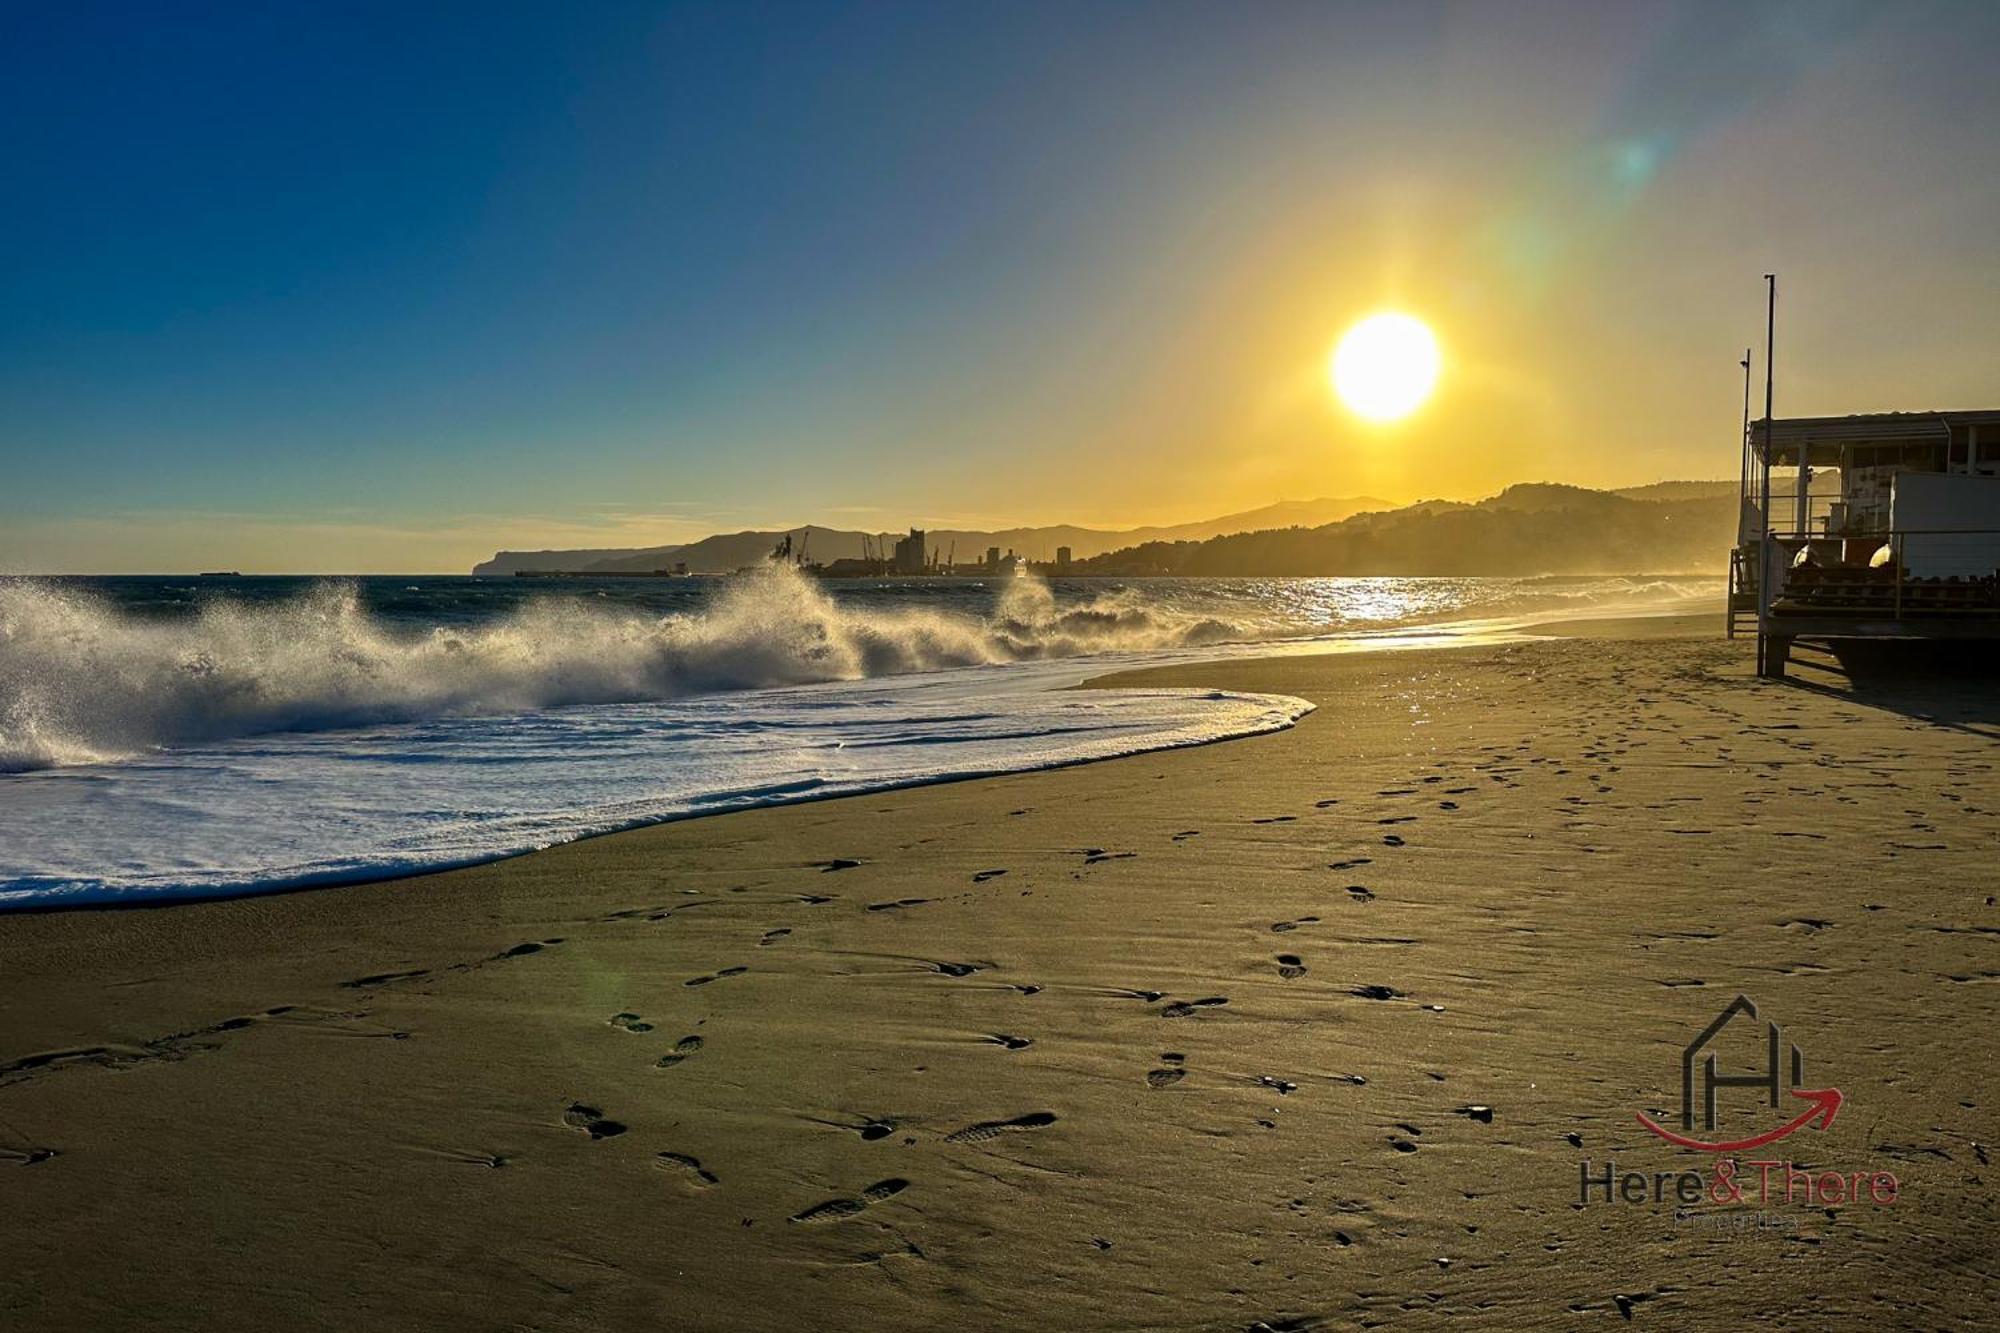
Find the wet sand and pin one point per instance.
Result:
(1310, 1030)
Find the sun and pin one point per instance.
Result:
(1385, 366)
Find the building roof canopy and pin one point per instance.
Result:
(1825, 441)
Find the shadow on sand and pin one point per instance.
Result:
(1951, 684)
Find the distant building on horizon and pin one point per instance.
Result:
(1062, 558)
(911, 553)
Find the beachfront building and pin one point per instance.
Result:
(912, 556)
(1881, 525)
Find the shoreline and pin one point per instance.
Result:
(1443, 635)
(141, 901)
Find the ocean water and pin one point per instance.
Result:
(164, 738)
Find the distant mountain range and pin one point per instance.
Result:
(1678, 490)
(729, 551)
(1532, 528)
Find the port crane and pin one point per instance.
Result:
(782, 553)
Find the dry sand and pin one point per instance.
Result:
(1179, 1041)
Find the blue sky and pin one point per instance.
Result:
(386, 287)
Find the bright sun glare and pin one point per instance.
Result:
(1385, 366)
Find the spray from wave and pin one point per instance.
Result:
(84, 682)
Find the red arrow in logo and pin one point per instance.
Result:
(1825, 1106)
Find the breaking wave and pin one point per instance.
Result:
(82, 681)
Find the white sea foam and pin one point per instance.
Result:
(242, 747)
(298, 808)
(82, 681)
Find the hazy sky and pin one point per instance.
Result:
(386, 287)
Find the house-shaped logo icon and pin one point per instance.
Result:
(1700, 1051)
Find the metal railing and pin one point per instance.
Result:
(1890, 586)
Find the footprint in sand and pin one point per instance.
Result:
(681, 1162)
(717, 976)
(993, 1129)
(1377, 992)
(873, 1129)
(835, 1209)
(1361, 893)
(1290, 966)
(384, 978)
(981, 876)
(683, 1048)
(592, 1121)
(1391, 840)
(630, 1022)
(1011, 1043)
(1186, 1008)
(896, 904)
(773, 936)
(1349, 865)
(523, 950)
(837, 863)
(28, 1156)
(1164, 1078)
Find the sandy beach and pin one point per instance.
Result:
(1316, 1029)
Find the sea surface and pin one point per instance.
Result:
(190, 737)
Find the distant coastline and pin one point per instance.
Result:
(1528, 529)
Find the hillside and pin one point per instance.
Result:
(723, 552)
(509, 562)
(1678, 490)
(1530, 528)
(1535, 528)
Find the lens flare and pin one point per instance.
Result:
(1385, 366)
